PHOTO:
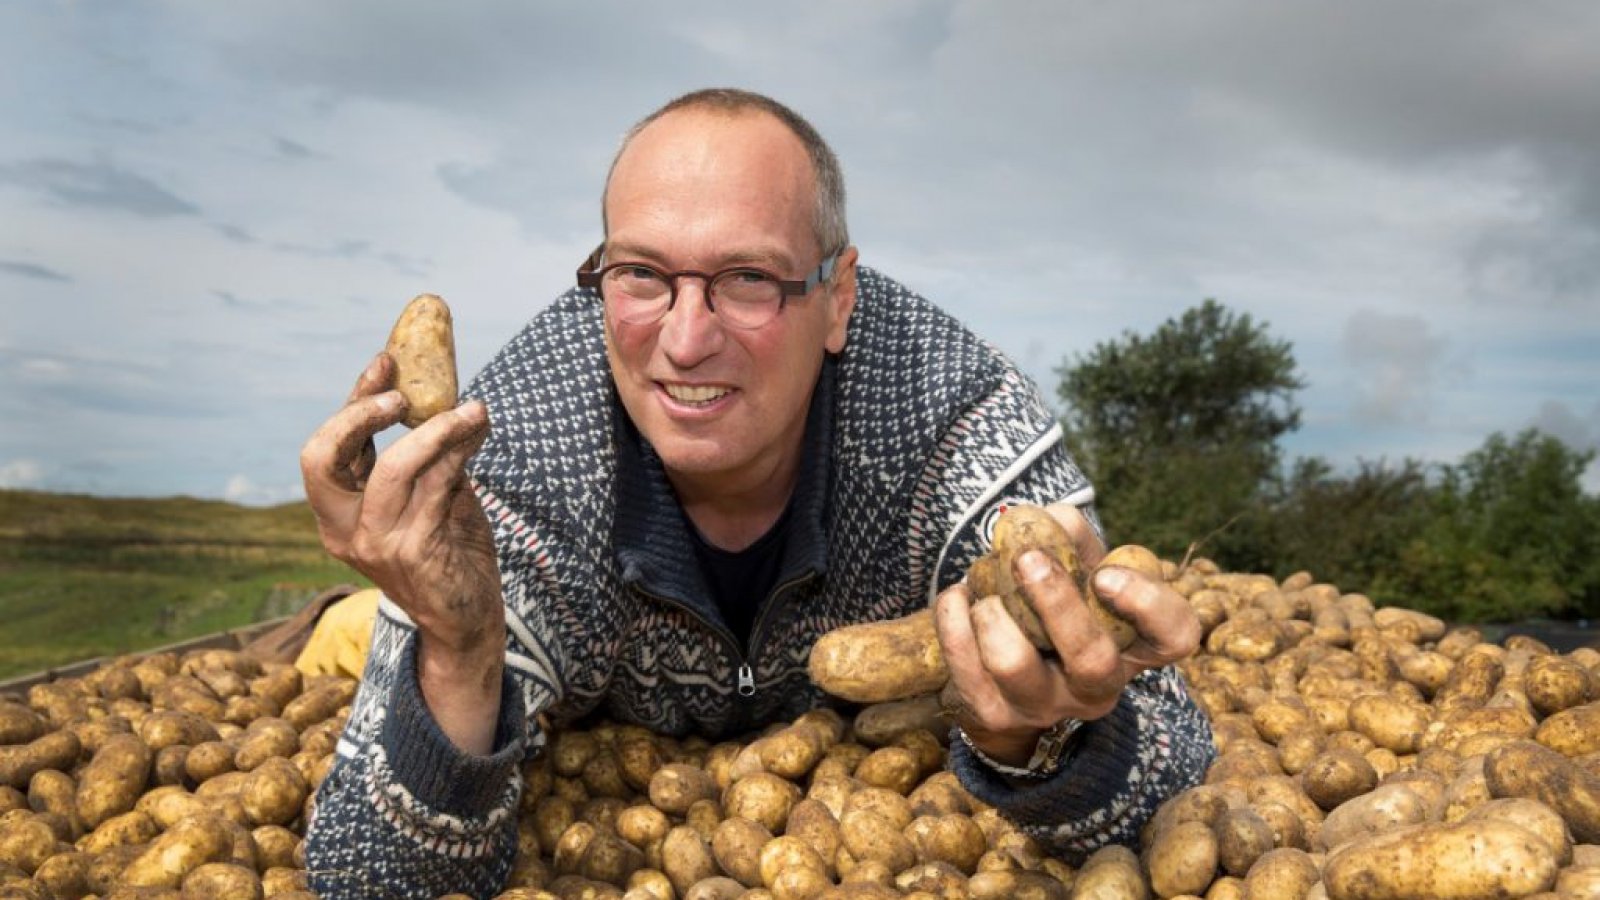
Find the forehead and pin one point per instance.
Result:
(696, 171)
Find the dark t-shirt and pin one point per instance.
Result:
(741, 580)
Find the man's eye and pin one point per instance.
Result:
(747, 276)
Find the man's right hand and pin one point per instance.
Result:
(410, 521)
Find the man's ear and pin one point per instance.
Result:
(841, 300)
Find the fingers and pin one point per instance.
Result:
(1089, 659)
(952, 618)
(1085, 540)
(415, 475)
(1167, 626)
(445, 478)
(329, 460)
(376, 378)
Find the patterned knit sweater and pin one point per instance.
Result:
(916, 433)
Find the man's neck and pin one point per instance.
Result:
(732, 512)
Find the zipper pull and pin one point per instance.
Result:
(747, 681)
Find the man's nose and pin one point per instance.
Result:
(690, 331)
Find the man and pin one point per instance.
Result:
(730, 441)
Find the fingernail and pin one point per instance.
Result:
(1111, 579)
(1034, 565)
(388, 401)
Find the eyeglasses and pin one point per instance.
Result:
(741, 296)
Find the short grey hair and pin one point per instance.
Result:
(827, 220)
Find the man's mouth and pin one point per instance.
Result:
(695, 394)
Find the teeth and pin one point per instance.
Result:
(685, 393)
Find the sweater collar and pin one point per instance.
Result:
(652, 539)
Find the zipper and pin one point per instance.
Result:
(745, 682)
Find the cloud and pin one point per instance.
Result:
(41, 383)
(99, 185)
(291, 149)
(21, 473)
(234, 233)
(1396, 363)
(243, 489)
(32, 270)
(1557, 419)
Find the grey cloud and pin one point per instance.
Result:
(56, 383)
(234, 301)
(1397, 362)
(234, 233)
(358, 249)
(1577, 431)
(33, 270)
(100, 185)
(291, 149)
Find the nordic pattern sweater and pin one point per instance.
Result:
(916, 434)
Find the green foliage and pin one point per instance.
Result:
(1179, 429)
(82, 577)
(1343, 528)
(1509, 533)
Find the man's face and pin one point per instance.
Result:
(705, 191)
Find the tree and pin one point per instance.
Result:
(1344, 529)
(1510, 534)
(1179, 429)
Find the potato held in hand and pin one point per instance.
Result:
(423, 347)
(1024, 527)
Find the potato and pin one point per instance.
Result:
(186, 846)
(26, 840)
(686, 858)
(1242, 837)
(1463, 861)
(1283, 873)
(792, 752)
(715, 888)
(610, 859)
(736, 846)
(868, 835)
(1183, 859)
(221, 881)
(881, 723)
(1387, 807)
(675, 787)
(1527, 769)
(764, 798)
(1111, 871)
(893, 768)
(1572, 732)
(422, 345)
(1337, 776)
(1390, 722)
(951, 838)
(878, 661)
(319, 703)
(1019, 529)
(1533, 817)
(114, 779)
(55, 750)
(273, 793)
(66, 875)
(19, 724)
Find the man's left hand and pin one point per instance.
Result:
(1011, 693)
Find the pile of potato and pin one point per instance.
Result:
(1365, 754)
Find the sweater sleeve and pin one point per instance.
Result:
(1154, 744)
(404, 812)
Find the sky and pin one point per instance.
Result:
(211, 213)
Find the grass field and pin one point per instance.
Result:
(89, 576)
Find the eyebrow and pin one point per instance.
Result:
(763, 256)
